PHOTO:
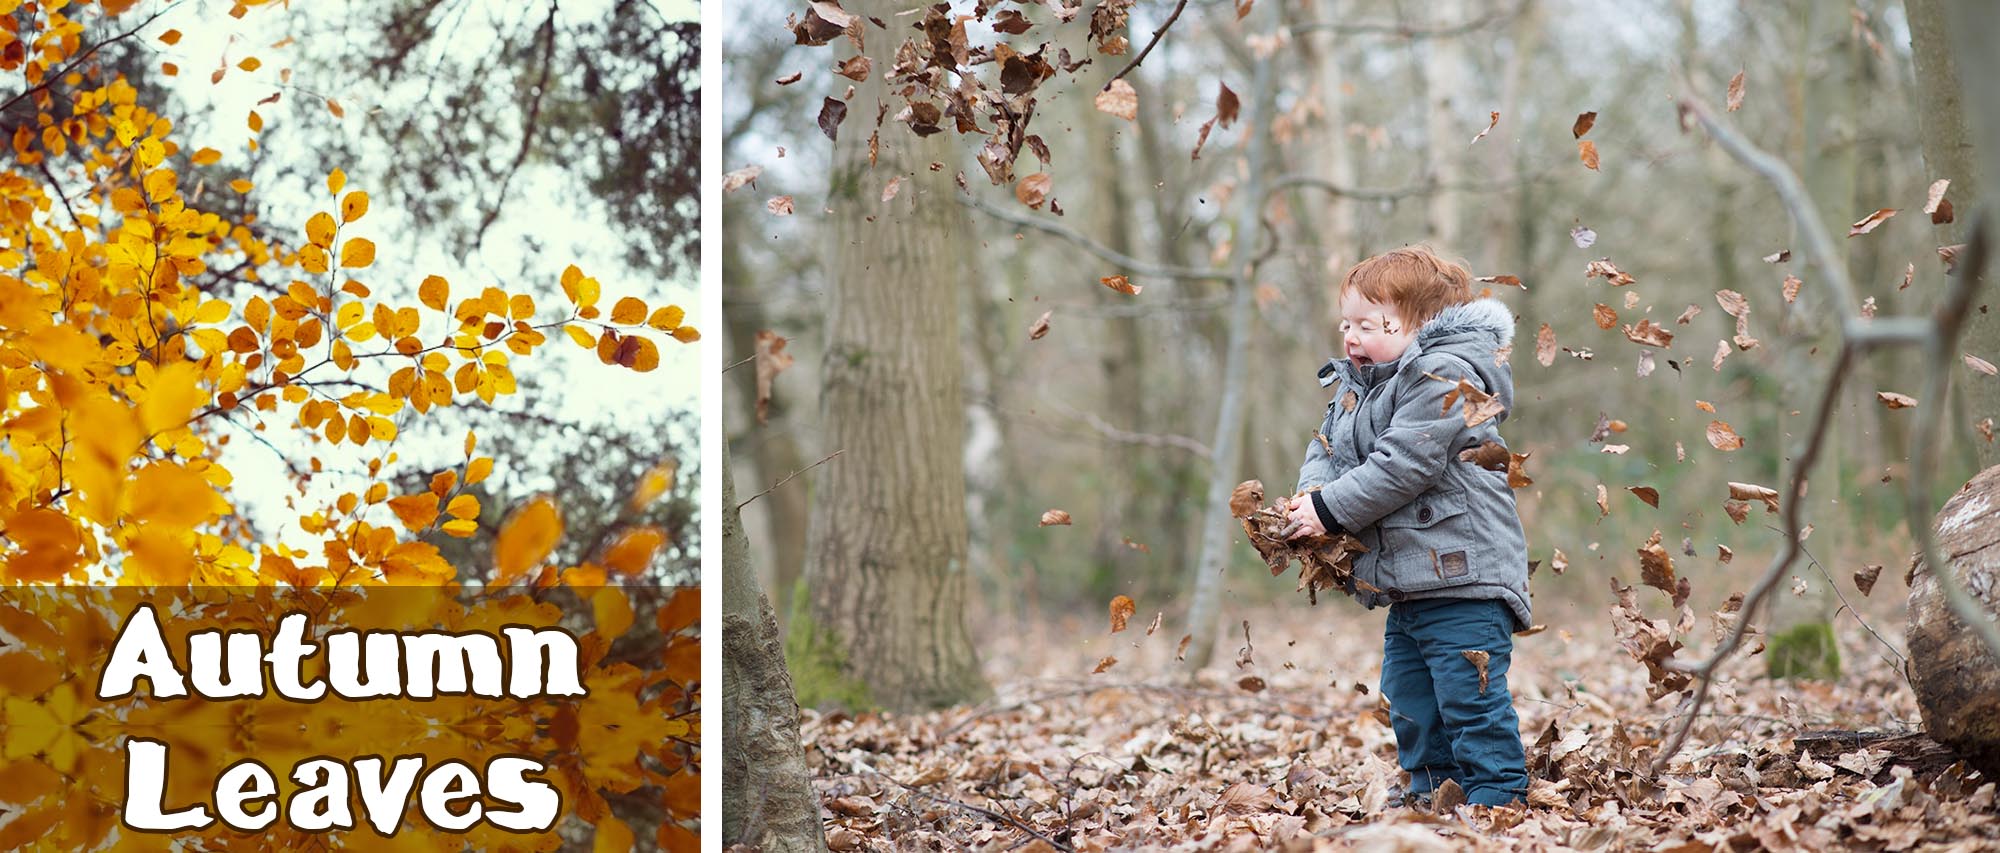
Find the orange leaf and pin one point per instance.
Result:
(415, 511)
(633, 552)
(526, 539)
(628, 311)
(358, 252)
(434, 292)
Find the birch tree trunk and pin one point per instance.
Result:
(884, 622)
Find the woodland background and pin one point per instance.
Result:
(1457, 124)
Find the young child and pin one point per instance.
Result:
(1445, 546)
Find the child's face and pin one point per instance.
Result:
(1370, 332)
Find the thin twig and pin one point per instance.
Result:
(788, 478)
(1120, 259)
(740, 362)
(1849, 607)
(1171, 17)
(1113, 433)
(1407, 31)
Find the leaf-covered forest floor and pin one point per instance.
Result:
(1137, 758)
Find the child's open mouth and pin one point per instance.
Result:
(1361, 360)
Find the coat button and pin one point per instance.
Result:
(1424, 515)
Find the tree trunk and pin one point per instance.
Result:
(884, 622)
(1957, 681)
(767, 797)
(1441, 77)
(1973, 28)
(1218, 528)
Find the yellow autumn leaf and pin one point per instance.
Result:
(687, 334)
(526, 539)
(655, 483)
(667, 318)
(415, 511)
(463, 528)
(570, 276)
(319, 230)
(206, 156)
(434, 292)
(357, 252)
(353, 206)
(463, 506)
(335, 180)
(250, 63)
(633, 552)
(240, 185)
(174, 395)
(211, 312)
(647, 356)
(256, 122)
(478, 469)
(613, 612)
(628, 311)
(581, 337)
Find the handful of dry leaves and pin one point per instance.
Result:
(1324, 561)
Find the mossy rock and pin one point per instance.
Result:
(1805, 651)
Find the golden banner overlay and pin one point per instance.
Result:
(376, 718)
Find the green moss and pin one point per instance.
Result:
(818, 665)
(1805, 651)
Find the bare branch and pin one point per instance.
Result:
(1402, 30)
(788, 478)
(1120, 259)
(1104, 428)
(1141, 57)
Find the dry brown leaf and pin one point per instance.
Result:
(1724, 554)
(771, 361)
(1609, 271)
(1979, 364)
(1157, 616)
(1103, 664)
(1545, 346)
(1791, 288)
(1603, 502)
(731, 181)
(1054, 517)
(1985, 427)
(1894, 400)
(1495, 120)
(1226, 106)
(1250, 684)
(1688, 315)
(1558, 562)
(1119, 99)
(889, 190)
(1648, 334)
(1864, 578)
(1869, 223)
(1656, 566)
(1034, 189)
(1121, 284)
(1735, 92)
(1909, 275)
(855, 68)
(1122, 609)
(1722, 437)
(1949, 255)
(1586, 151)
(1732, 303)
(1041, 326)
(1478, 659)
(1507, 280)
(1180, 652)
(1754, 492)
(1246, 498)
(1778, 257)
(779, 205)
(1605, 315)
(1721, 352)
(1646, 493)
(1583, 123)
(1737, 510)
(789, 79)
(1934, 198)
(1705, 406)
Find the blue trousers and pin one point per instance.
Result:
(1446, 726)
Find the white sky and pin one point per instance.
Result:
(572, 230)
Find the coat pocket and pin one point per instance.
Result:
(1428, 543)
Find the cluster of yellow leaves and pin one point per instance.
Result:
(139, 332)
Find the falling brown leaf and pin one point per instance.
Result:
(1722, 437)
(1656, 566)
(731, 181)
(1122, 609)
(831, 113)
(1737, 510)
(855, 69)
(771, 361)
(1735, 92)
(1119, 99)
(1040, 327)
(1157, 616)
(1246, 498)
(1104, 663)
(1979, 364)
(1609, 271)
(1545, 346)
(1778, 257)
(1140, 547)
(890, 189)
(1121, 284)
(1705, 406)
(1648, 334)
(1054, 516)
(1586, 150)
(1909, 275)
(1646, 493)
(1226, 106)
(1721, 352)
(1949, 255)
(1584, 121)
(1985, 427)
(1724, 554)
(1688, 315)
(1034, 189)
(789, 79)
(779, 205)
(1250, 684)
(1495, 120)
(1732, 303)
(1894, 400)
(1603, 502)
(1754, 492)
(1508, 280)
(1180, 652)
(1791, 289)
(1605, 315)
(1558, 561)
(1680, 452)
(1864, 578)
(1479, 660)
(1478, 406)
(1868, 223)
(1936, 204)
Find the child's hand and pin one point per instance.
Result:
(1304, 519)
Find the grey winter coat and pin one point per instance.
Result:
(1435, 527)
